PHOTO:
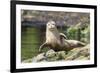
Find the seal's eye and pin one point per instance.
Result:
(53, 23)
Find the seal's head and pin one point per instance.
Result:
(51, 25)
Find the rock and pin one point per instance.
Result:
(56, 58)
(85, 50)
(27, 61)
(61, 54)
(82, 58)
(73, 56)
(51, 53)
(39, 58)
(80, 53)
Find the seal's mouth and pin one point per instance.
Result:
(51, 28)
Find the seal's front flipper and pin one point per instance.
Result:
(63, 35)
(42, 46)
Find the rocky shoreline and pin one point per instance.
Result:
(80, 53)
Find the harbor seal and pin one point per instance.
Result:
(58, 41)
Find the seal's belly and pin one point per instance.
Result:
(53, 41)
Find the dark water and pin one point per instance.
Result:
(29, 42)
